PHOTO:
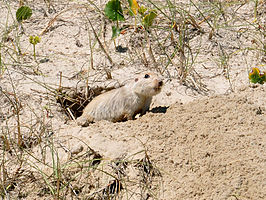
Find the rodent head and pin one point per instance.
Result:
(148, 84)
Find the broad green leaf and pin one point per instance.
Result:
(113, 10)
(115, 31)
(23, 13)
(133, 4)
(148, 19)
(256, 77)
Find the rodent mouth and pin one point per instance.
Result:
(157, 89)
(159, 86)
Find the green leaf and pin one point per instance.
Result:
(23, 13)
(115, 31)
(148, 19)
(113, 10)
(256, 77)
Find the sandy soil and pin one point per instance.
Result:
(203, 139)
(213, 148)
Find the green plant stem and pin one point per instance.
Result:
(34, 52)
(256, 9)
(160, 10)
(101, 45)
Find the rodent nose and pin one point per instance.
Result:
(160, 83)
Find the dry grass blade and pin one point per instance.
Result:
(51, 22)
(100, 43)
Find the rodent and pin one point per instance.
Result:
(123, 103)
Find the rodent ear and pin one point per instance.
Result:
(136, 79)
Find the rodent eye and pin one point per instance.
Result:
(147, 76)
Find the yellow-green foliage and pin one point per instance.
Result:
(255, 76)
(34, 40)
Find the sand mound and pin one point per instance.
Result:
(212, 148)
